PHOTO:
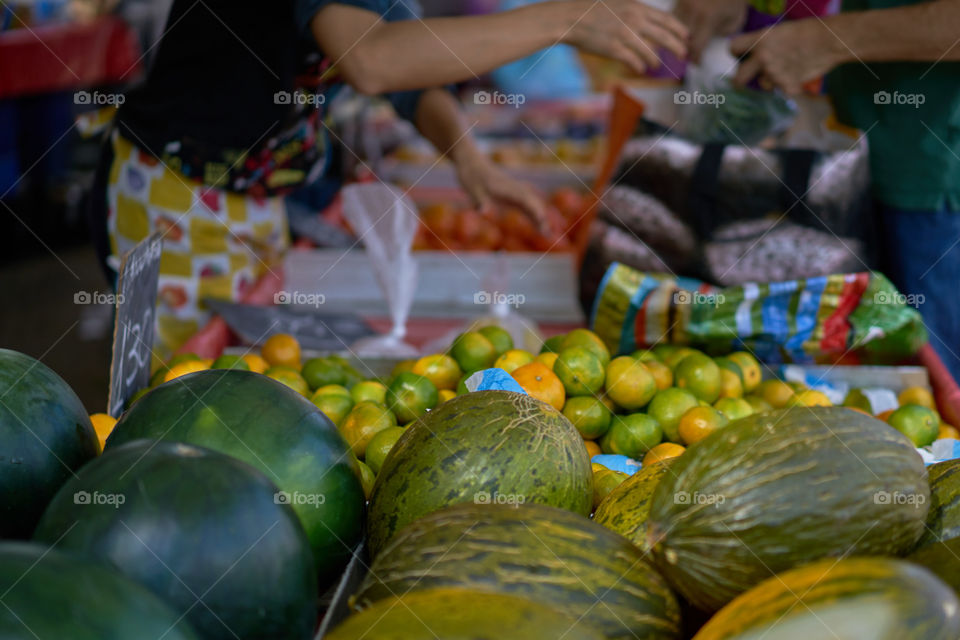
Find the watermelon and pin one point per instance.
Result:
(776, 490)
(548, 555)
(459, 614)
(487, 446)
(627, 507)
(203, 531)
(273, 428)
(47, 594)
(45, 435)
(876, 598)
(939, 548)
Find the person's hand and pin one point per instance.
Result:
(624, 30)
(787, 55)
(487, 184)
(708, 19)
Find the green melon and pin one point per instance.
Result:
(45, 435)
(459, 614)
(627, 507)
(852, 598)
(489, 445)
(773, 491)
(939, 548)
(49, 595)
(548, 555)
(273, 428)
(188, 524)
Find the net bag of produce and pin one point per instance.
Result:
(853, 318)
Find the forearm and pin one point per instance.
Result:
(377, 56)
(921, 32)
(441, 121)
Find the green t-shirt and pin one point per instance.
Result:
(911, 113)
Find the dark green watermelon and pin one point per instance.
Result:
(773, 491)
(203, 531)
(45, 435)
(494, 446)
(272, 427)
(49, 595)
(550, 556)
(849, 598)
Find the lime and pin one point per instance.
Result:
(364, 421)
(552, 344)
(369, 390)
(631, 435)
(700, 375)
(230, 362)
(335, 406)
(410, 395)
(858, 399)
(473, 351)
(661, 373)
(749, 368)
(668, 406)
(776, 393)
(588, 340)
(380, 446)
(319, 372)
(679, 356)
(498, 336)
(589, 415)
(629, 383)
(290, 377)
(917, 422)
(645, 355)
(332, 389)
(440, 369)
(580, 371)
(367, 478)
(733, 408)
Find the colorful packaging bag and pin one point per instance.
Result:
(851, 318)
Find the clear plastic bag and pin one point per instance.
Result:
(386, 221)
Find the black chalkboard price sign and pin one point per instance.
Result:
(134, 322)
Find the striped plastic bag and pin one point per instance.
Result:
(851, 318)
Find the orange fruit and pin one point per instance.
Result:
(370, 390)
(548, 359)
(400, 367)
(364, 421)
(857, 398)
(541, 383)
(662, 375)
(589, 415)
(945, 431)
(631, 435)
(473, 351)
(919, 423)
(513, 359)
(588, 340)
(885, 415)
(380, 446)
(759, 404)
(749, 368)
(700, 375)
(777, 393)
(679, 355)
(663, 452)
(699, 422)
(917, 395)
(290, 377)
(445, 394)
(809, 398)
(335, 406)
(256, 362)
(668, 406)
(282, 350)
(629, 383)
(733, 408)
(331, 389)
(499, 337)
(103, 424)
(580, 371)
(731, 386)
(182, 369)
(440, 369)
(645, 355)
(593, 449)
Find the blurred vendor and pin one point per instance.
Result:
(894, 74)
(224, 126)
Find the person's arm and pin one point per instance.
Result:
(375, 56)
(793, 53)
(708, 19)
(441, 121)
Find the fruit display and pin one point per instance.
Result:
(49, 594)
(756, 497)
(45, 435)
(270, 427)
(550, 556)
(459, 614)
(842, 598)
(239, 548)
(483, 446)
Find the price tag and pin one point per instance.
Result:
(134, 322)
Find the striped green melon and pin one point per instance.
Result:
(541, 553)
(627, 507)
(850, 599)
(939, 548)
(497, 446)
(780, 489)
(459, 614)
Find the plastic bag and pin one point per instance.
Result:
(386, 221)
